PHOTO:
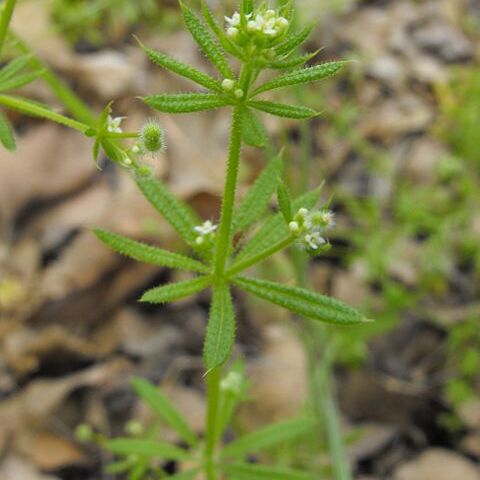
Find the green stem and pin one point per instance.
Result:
(248, 262)
(212, 421)
(36, 110)
(7, 13)
(223, 238)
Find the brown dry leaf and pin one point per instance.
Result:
(27, 412)
(51, 452)
(16, 468)
(438, 464)
(279, 383)
(50, 162)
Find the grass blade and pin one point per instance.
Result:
(180, 68)
(206, 42)
(186, 102)
(147, 448)
(268, 436)
(257, 198)
(220, 329)
(180, 216)
(249, 471)
(175, 291)
(303, 302)
(148, 254)
(6, 133)
(305, 75)
(162, 406)
(283, 110)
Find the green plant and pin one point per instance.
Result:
(259, 39)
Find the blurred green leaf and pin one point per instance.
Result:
(186, 102)
(283, 110)
(175, 291)
(248, 471)
(147, 448)
(6, 133)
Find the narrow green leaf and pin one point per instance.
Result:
(13, 67)
(275, 228)
(301, 76)
(283, 110)
(293, 62)
(36, 109)
(147, 448)
(294, 41)
(174, 291)
(220, 329)
(188, 475)
(304, 302)
(206, 42)
(180, 68)
(257, 198)
(186, 102)
(182, 218)
(18, 81)
(253, 130)
(249, 471)
(148, 254)
(226, 43)
(162, 406)
(284, 201)
(268, 436)
(6, 133)
(246, 7)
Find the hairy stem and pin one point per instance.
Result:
(7, 13)
(212, 421)
(248, 262)
(223, 238)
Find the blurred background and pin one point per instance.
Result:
(398, 149)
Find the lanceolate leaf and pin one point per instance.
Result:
(284, 202)
(6, 133)
(283, 110)
(257, 198)
(147, 253)
(162, 406)
(174, 291)
(18, 81)
(206, 42)
(183, 69)
(302, 301)
(226, 43)
(292, 62)
(268, 436)
(249, 471)
(294, 41)
(147, 448)
(253, 130)
(275, 228)
(220, 329)
(182, 218)
(13, 67)
(305, 75)
(186, 102)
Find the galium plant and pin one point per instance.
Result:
(259, 39)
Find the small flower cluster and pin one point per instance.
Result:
(262, 27)
(206, 234)
(114, 124)
(309, 228)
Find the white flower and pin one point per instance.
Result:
(314, 240)
(206, 228)
(113, 124)
(234, 20)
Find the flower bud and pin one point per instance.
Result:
(84, 433)
(232, 32)
(239, 93)
(228, 84)
(134, 428)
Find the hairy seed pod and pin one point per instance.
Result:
(152, 137)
